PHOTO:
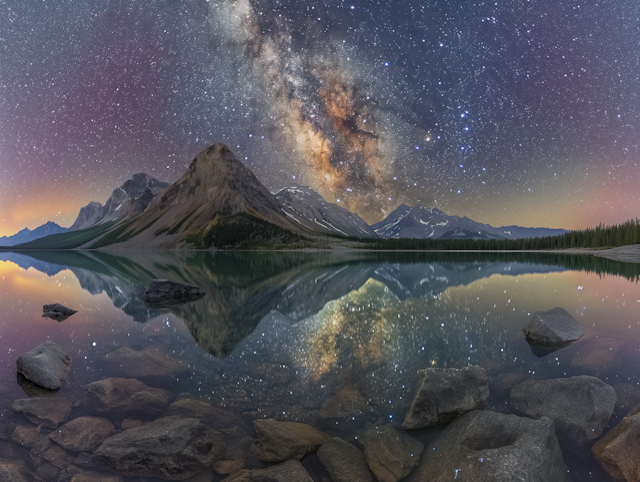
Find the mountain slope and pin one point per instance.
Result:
(308, 208)
(421, 222)
(218, 202)
(127, 201)
(26, 235)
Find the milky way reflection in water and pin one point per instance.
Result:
(291, 335)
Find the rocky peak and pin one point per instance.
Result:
(88, 215)
(217, 178)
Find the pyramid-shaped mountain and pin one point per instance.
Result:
(218, 202)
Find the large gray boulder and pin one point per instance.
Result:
(278, 441)
(445, 393)
(553, 327)
(48, 412)
(127, 397)
(289, 471)
(391, 455)
(580, 406)
(166, 292)
(83, 434)
(171, 448)
(344, 461)
(47, 365)
(483, 446)
(618, 453)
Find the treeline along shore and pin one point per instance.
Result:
(599, 237)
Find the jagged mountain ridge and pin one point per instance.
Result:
(306, 205)
(26, 235)
(126, 201)
(421, 222)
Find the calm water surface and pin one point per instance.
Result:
(285, 335)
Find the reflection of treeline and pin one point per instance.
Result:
(576, 262)
(598, 237)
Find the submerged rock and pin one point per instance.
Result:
(15, 471)
(211, 416)
(580, 406)
(172, 448)
(391, 455)
(278, 441)
(166, 293)
(618, 452)
(488, 446)
(152, 362)
(48, 412)
(349, 408)
(553, 327)
(127, 397)
(290, 471)
(96, 477)
(57, 312)
(344, 461)
(31, 438)
(445, 393)
(47, 365)
(83, 434)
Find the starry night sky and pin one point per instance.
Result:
(510, 112)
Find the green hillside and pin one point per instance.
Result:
(67, 240)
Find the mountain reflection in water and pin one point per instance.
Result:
(313, 337)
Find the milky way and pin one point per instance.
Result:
(509, 112)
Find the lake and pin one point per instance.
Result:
(330, 339)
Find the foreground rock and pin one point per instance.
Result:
(171, 448)
(165, 292)
(343, 461)
(127, 397)
(48, 412)
(211, 416)
(278, 441)
(83, 434)
(553, 327)
(618, 453)
(47, 365)
(490, 446)
(391, 455)
(57, 312)
(445, 393)
(290, 471)
(580, 406)
(152, 362)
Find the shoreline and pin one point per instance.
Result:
(625, 254)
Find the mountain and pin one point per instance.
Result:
(306, 206)
(421, 222)
(129, 200)
(218, 202)
(27, 235)
(88, 216)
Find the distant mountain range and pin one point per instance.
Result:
(219, 203)
(420, 222)
(304, 205)
(130, 199)
(27, 235)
